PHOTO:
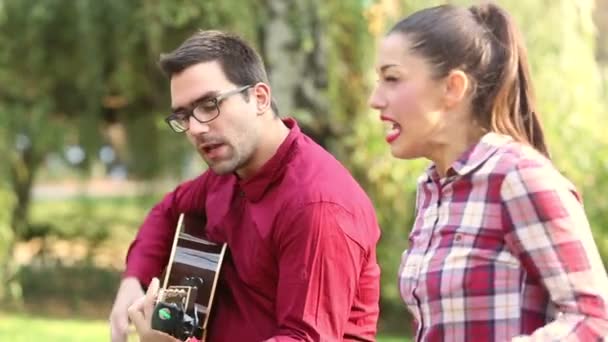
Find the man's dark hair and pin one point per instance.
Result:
(241, 64)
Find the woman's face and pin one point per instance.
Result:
(408, 97)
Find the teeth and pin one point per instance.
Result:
(391, 127)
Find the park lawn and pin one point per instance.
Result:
(23, 328)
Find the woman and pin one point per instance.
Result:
(501, 247)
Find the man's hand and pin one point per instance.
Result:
(141, 312)
(129, 291)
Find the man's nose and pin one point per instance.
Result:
(196, 127)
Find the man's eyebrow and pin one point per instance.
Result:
(206, 96)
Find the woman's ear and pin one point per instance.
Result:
(456, 88)
(263, 97)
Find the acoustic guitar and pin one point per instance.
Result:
(185, 300)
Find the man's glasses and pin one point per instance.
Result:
(203, 111)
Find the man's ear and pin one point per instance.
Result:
(456, 88)
(263, 97)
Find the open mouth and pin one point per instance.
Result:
(211, 147)
(392, 130)
(214, 151)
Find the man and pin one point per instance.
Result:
(301, 232)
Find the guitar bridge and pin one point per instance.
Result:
(183, 296)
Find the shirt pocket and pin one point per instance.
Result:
(471, 264)
(474, 248)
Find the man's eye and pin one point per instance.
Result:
(207, 106)
(181, 116)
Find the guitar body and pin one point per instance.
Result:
(192, 275)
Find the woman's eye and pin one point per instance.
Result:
(389, 79)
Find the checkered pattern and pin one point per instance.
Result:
(501, 249)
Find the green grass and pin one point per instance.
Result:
(22, 328)
(19, 328)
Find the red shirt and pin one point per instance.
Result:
(301, 235)
(501, 248)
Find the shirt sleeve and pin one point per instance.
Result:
(319, 268)
(550, 234)
(149, 253)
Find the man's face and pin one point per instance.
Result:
(227, 143)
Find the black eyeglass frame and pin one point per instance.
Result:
(175, 119)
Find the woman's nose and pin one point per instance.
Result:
(375, 100)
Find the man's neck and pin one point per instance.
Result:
(275, 133)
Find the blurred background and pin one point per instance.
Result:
(85, 152)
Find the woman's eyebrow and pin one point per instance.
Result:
(386, 66)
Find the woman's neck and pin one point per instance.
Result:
(453, 144)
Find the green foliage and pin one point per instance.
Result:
(81, 64)
(76, 286)
(6, 240)
(100, 216)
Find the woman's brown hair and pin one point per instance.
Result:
(484, 42)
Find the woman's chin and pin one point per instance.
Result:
(400, 152)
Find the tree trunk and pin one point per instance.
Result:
(600, 16)
(293, 49)
(22, 169)
(22, 176)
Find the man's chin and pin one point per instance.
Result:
(221, 168)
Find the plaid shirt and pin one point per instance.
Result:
(501, 248)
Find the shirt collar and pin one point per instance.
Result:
(473, 157)
(255, 186)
